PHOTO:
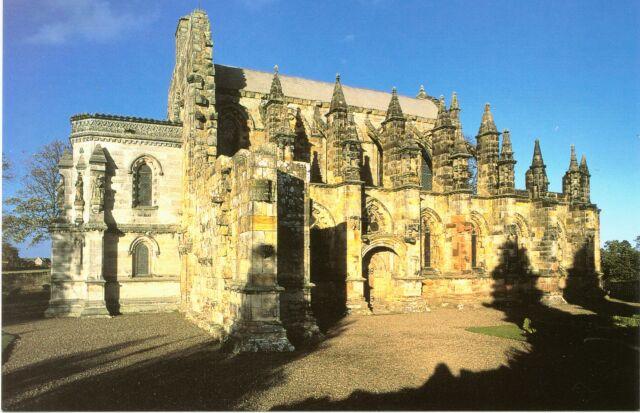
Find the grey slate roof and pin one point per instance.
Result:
(258, 81)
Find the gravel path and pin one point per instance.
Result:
(163, 362)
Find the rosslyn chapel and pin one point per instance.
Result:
(264, 204)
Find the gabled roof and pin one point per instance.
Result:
(258, 81)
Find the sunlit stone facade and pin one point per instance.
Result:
(266, 202)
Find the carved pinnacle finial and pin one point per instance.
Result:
(338, 102)
(454, 102)
(573, 163)
(422, 94)
(506, 153)
(394, 111)
(276, 93)
(537, 155)
(583, 165)
(487, 125)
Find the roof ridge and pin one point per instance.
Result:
(320, 81)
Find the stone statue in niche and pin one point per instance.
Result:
(60, 195)
(412, 231)
(97, 197)
(373, 219)
(79, 190)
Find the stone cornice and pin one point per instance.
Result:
(124, 139)
(127, 129)
(81, 116)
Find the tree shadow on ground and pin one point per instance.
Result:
(197, 377)
(24, 306)
(574, 361)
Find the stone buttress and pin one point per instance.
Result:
(266, 205)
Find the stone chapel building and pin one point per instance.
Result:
(264, 202)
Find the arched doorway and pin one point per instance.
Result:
(379, 266)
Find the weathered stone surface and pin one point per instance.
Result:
(266, 202)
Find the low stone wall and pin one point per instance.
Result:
(466, 289)
(623, 290)
(136, 295)
(25, 280)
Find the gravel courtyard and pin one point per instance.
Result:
(416, 361)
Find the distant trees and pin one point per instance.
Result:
(34, 206)
(10, 256)
(7, 169)
(621, 261)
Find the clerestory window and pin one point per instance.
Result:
(426, 172)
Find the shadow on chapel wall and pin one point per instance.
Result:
(233, 119)
(329, 274)
(111, 239)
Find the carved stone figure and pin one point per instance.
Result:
(79, 190)
(97, 196)
(60, 201)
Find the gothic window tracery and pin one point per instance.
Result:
(432, 239)
(143, 250)
(143, 190)
(145, 171)
(426, 171)
(427, 246)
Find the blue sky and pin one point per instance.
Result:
(561, 71)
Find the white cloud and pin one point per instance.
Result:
(88, 20)
(349, 38)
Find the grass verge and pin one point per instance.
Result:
(7, 339)
(509, 331)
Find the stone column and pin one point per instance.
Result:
(67, 288)
(256, 298)
(293, 252)
(95, 304)
(409, 281)
(352, 195)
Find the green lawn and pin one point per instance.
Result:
(6, 340)
(510, 331)
(622, 321)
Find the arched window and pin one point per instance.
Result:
(141, 260)
(426, 171)
(474, 249)
(143, 186)
(427, 247)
